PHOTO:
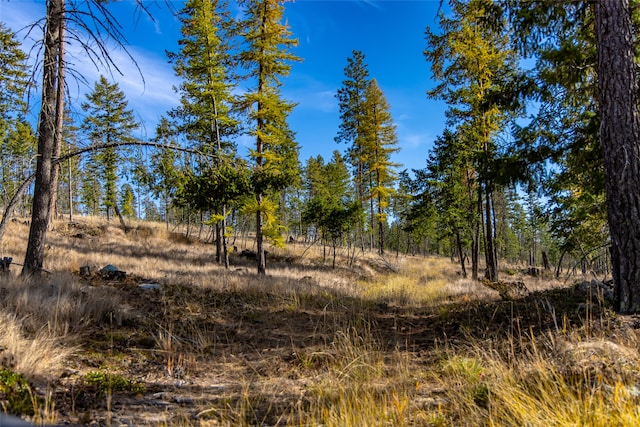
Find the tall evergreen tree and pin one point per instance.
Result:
(13, 86)
(205, 115)
(91, 192)
(17, 139)
(560, 147)
(164, 172)
(267, 59)
(17, 148)
(351, 101)
(108, 121)
(14, 147)
(587, 54)
(379, 142)
(473, 60)
(330, 205)
(450, 181)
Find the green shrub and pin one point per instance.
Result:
(15, 394)
(106, 382)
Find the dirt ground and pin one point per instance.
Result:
(199, 353)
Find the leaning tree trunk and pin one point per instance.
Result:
(620, 139)
(44, 179)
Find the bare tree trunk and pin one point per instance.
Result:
(225, 246)
(262, 262)
(559, 266)
(57, 140)
(116, 209)
(461, 254)
(620, 136)
(218, 240)
(70, 190)
(492, 265)
(380, 228)
(44, 180)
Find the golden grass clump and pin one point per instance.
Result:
(543, 388)
(362, 385)
(60, 303)
(423, 282)
(37, 355)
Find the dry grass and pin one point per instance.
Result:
(546, 383)
(360, 345)
(38, 356)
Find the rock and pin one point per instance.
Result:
(111, 272)
(183, 400)
(596, 288)
(598, 359)
(150, 286)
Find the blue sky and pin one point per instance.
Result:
(390, 34)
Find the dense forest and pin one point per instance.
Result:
(542, 126)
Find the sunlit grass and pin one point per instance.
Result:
(350, 376)
(541, 386)
(423, 282)
(37, 355)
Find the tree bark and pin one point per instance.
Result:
(620, 137)
(461, 254)
(57, 139)
(44, 178)
(491, 272)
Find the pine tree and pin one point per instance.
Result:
(267, 59)
(619, 130)
(108, 121)
(330, 206)
(18, 148)
(91, 192)
(449, 184)
(205, 115)
(475, 65)
(379, 142)
(560, 147)
(351, 101)
(127, 201)
(164, 171)
(15, 146)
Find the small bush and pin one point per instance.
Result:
(15, 394)
(106, 382)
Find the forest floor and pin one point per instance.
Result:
(379, 341)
